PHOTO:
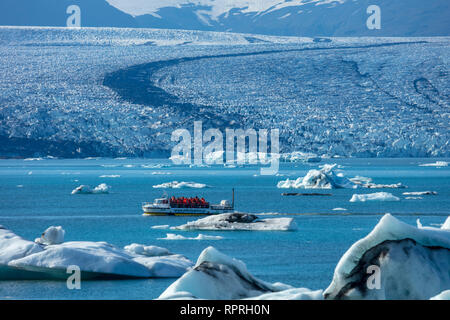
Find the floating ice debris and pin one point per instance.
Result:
(217, 276)
(149, 251)
(435, 164)
(324, 178)
(420, 193)
(178, 185)
(172, 236)
(84, 189)
(110, 176)
(413, 263)
(53, 235)
(239, 221)
(33, 159)
(22, 259)
(413, 198)
(378, 196)
(339, 209)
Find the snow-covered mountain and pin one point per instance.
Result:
(273, 17)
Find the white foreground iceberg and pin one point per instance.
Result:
(377, 196)
(178, 185)
(217, 276)
(172, 236)
(239, 221)
(412, 263)
(84, 189)
(22, 259)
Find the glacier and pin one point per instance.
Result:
(414, 263)
(91, 95)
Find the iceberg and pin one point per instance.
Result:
(435, 164)
(324, 178)
(327, 178)
(148, 251)
(239, 221)
(377, 196)
(445, 295)
(178, 185)
(217, 276)
(172, 236)
(53, 235)
(446, 224)
(413, 263)
(84, 189)
(49, 259)
(420, 193)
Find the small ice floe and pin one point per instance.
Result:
(84, 189)
(33, 159)
(49, 259)
(446, 225)
(217, 276)
(435, 164)
(163, 226)
(324, 178)
(53, 235)
(420, 193)
(110, 176)
(30, 173)
(172, 236)
(339, 209)
(377, 196)
(178, 185)
(413, 198)
(239, 221)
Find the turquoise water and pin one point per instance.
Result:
(37, 194)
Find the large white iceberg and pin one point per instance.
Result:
(412, 263)
(435, 164)
(50, 259)
(239, 221)
(377, 196)
(84, 189)
(217, 276)
(178, 185)
(324, 178)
